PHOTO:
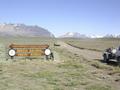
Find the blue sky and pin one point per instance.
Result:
(98, 17)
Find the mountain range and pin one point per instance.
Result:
(23, 30)
(73, 35)
(78, 35)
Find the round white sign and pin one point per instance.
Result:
(12, 52)
(47, 52)
(114, 51)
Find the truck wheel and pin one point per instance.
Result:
(118, 60)
(105, 58)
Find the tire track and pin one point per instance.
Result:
(88, 54)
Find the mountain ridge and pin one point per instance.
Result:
(78, 35)
(23, 30)
(73, 35)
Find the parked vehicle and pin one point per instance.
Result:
(111, 53)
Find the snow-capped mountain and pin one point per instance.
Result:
(23, 30)
(95, 36)
(73, 35)
(78, 35)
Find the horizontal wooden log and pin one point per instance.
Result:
(29, 50)
(22, 50)
(28, 46)
(32, 54)
(34, 50)
(22, 54)
(36, 54)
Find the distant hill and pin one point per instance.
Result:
(73, 35)
(78, 35)
(111, 36)
(8, 30)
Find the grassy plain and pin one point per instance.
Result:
(94, 44)
(72, 72)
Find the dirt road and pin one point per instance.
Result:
(101, 73)
(88, 54)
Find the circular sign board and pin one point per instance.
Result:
(12, 52)
(47, 52)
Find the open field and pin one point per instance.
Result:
(69, 71)
(93, 44)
